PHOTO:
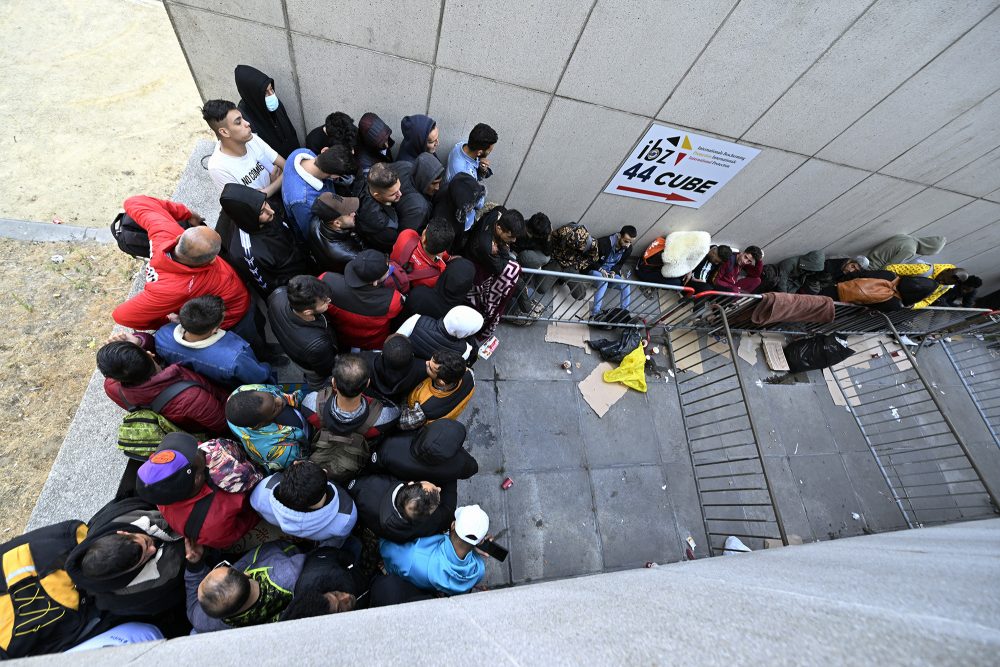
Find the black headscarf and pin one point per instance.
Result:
(451, 290)
(273, 127)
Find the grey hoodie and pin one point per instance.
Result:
(902, 248)
(792, 271)
(331, 523)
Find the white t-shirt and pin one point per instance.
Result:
(252, 170)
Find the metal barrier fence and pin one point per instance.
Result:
(571, 297)
(848, 318)
(978, 365)
(921, 456)
(730, 476)
(987, 325)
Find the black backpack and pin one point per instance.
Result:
(131, 238)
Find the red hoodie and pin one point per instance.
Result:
(169, 284)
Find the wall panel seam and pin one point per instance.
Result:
(811, 65)
(907, 79)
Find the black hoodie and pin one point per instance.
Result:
(274, 127)
(162, 578)
(455, 200)
(434, 454)
(451, 289)
(393, 384)
(373, 496)
(373, 133)
(265, 256)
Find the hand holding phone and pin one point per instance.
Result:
(493, 550)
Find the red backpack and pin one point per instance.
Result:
(400, 276)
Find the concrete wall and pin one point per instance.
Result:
(873, 117)
(916, 597)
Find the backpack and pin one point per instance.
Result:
(131, 238)
(343, 456)
(865, 291)
(403, 274)
(41, 610)
(143, 428)
(229, 467)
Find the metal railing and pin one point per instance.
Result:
(923, 459)
(570, 297)
(848, 318)
(730, 476)
(986, 325)
(978, 365)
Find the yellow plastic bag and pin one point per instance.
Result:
(632, 370)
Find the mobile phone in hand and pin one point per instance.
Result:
(493, 549)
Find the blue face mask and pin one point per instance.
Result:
(271, 102)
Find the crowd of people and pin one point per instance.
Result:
(248, 501)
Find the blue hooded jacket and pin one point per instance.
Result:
(226, 359)
(430, 563)
(415, 130)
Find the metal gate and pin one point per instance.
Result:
(977, 362)
(923, 459)
(733, 487)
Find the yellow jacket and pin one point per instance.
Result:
(924, 271)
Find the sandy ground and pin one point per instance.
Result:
(97, 104)
(56, 317)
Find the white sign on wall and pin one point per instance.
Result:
(677, 167)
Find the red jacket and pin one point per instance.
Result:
(196, 409)
(418, 260)
(363, 316)
(169, 284)
(229, 517)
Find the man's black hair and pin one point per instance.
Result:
(724, 252)
(755, 252)
(382, 176)
(482, 137)
(308, 603)
(337, 160)
(350, 375)
(110, 555)
(973, 282)
(304, 291)
(225, 597)
(126, 362)
(438, 235)
(539, 226)
(451, 365)
(628, 230)
(513, 222)
(215, 111)
(202, 314)
(303, 484)
(424, 502)
(397, 351)
(340, 129)
(246, 408)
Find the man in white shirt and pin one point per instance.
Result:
(240, 156)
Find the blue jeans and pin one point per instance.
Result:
(626, 293)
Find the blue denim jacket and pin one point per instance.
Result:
(228, 361)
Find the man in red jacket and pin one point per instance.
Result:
(362, 309)
(183, 265)
(174, 479)
(133, 377)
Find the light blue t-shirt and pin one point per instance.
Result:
(430, 563)
(459, 162)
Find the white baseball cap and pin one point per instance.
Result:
(471, 524)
